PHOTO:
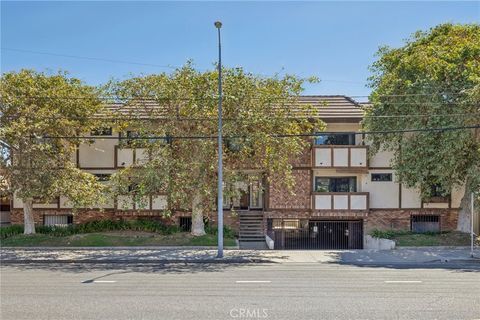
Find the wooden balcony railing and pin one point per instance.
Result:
(341, 200)
(336, 157)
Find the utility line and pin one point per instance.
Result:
(160, 118)
(197, 137)
(156, 98)
(90, 58)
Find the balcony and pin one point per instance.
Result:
(340, 157)
(341, 201)
(128, 156)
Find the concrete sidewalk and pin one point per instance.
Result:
(182, 255)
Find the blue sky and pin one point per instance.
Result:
(335, 41)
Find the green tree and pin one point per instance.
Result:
(436, 74)
(33, 107)
(184, 104)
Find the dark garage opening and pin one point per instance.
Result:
(316, 234)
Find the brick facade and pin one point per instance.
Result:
(83, 216)
(299, 198)
(398, 219)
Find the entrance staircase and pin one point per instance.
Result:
(251, 233)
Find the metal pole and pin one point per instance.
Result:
(218, 25)
(471, 227)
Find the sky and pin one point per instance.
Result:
(335, 41)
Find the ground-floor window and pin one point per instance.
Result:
(425, 223)
(185, 224)
(57, 220)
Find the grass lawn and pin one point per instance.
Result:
(432, 239)
(113, 239)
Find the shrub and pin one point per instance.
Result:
(9, 231)
(227, 232)
(388, 234)
(94, 226)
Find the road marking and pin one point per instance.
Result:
(253, 281)
(104, 281)
(403, 281)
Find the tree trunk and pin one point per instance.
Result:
(28, 221)
(465, 213)
(198, 227)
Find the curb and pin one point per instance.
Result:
(121, 248)
(142, 261)
(436, 247)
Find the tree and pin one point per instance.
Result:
(35, 109)
(433, 81)
(182, 107)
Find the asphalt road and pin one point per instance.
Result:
(219, 291)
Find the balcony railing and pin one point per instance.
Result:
(340, 200)
(327, 156)
(128, 156)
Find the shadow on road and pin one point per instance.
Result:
(161, 268)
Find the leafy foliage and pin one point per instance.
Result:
(95, 226)
(433, 81)
(184, 104)
(34, 107)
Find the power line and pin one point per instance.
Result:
(160, 118)
(198, 137)
(90, 58)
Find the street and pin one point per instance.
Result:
(239, 291)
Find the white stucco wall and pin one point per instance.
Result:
(411, 198)
(100, 154)
(381, 159)
(383, 194)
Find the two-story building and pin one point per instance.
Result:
(341, 191)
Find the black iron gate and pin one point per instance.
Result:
(320, 234)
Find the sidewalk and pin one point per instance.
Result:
(182, 255)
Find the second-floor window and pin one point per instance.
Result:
(335, 139)
(335, 184)
(105, 131)
(436, 191)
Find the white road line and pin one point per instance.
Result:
(253, 281)
(104, 281)
(403, 281)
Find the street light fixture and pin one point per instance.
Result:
(218, 25)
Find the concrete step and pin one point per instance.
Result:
(256, 245)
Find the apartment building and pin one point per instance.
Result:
(341, 191)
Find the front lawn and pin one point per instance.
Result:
(114, 239)
(409, 239)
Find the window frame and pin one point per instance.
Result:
(351, 139)
(352, 184)
(390, 175)
(102, 132)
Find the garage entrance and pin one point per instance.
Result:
(316, 234)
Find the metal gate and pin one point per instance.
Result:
(320, 234)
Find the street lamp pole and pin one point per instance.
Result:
(471, 226)
(218, 25)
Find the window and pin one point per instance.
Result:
(425, 223)
(381, 177)
(436, 191)
(140, 140)
(337, 184)
(102, 176)
(105, 131)
(335, 139)
(291, 224)
(185, 224)
(58, 221)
